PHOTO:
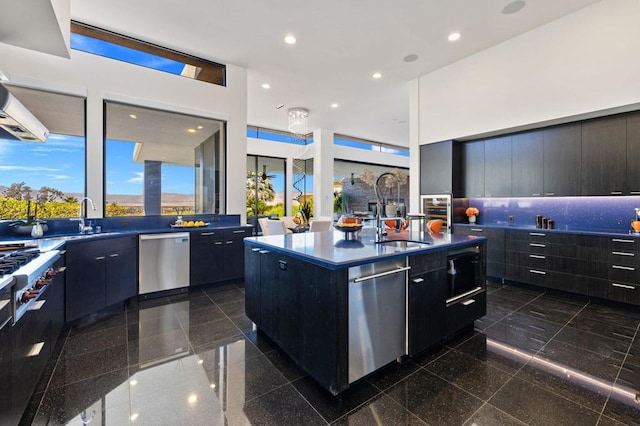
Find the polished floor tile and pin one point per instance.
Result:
(195, 358)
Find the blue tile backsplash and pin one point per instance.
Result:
(598, 214)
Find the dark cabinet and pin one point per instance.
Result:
(472, 169)
(562, 158)
(7, 416)
(497, 167)
(495, 246)
(604, 146)
(99, 273)
(439, 168)
(217, 255)
(252, 283)
(233, 258)
(527, 153)
(206, 253)
(426, 301)
(632, 186)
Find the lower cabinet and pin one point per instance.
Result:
(99, 274)
(427, 307)
(7, 416)
(217, 255)
(495, 246)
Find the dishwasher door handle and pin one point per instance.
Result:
(381, 274)
(173, 236)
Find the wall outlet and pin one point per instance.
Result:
(510, 219)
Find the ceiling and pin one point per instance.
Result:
(339, 45)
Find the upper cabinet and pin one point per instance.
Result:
(632, 186)
(527, 154)
(604, 146)
(439, 168)
(472, 169)
(562, 157)
(497, 167)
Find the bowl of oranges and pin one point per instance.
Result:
(190, 224)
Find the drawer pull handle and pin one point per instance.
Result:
(218, 243)
(634, 192)
(100, 258)
(239, 232)
(228, 242)
(625, 268)
(264, 251)
(477, 229)
(550, 193)
(204, 234)
(535, 195)
(628, 287)
(468, 302)
(36, 349)
(537, 256)
(616, 192)
(537, 234)
(622, 253)
(618, 240)
(255, 249)
(533, 271)
(418, 280)
(114, 255)
(537, 245)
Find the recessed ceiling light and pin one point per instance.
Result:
(200, 127)
(133, 116)
(411, 58)
(134, 417)
(376, 75)
(454, 36)
(290, 39)
(513, 7)
(266, 86)
(334, 105)
(191, 130)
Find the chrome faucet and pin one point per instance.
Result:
(379, 228)
(81, 217)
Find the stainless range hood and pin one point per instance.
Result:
(17, 120)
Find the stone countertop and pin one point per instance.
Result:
(532, 228)
(331, 250)
(73, 237)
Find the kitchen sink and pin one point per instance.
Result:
(403, 244)
(82, 236)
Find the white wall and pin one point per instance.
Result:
(100, 78)
(585, 62)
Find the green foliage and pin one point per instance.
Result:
(277, 209)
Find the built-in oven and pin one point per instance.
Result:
(464, 274)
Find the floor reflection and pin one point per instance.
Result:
(197, 359)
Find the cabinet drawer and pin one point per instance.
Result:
(599, 254)
(541, 262)
(237, 234)
(624, 273)
(205, 235)
(611, 290)
(541, 247)
(547, 279)
(541, 236)
(426, 263)
(621, 243)
(465, 311)
(495, 236)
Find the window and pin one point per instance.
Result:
(266, 192)
(276, 136)
(44, 180)
(116, 46)
(369, 145)
(160, 162)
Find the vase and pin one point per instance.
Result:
(472, 218)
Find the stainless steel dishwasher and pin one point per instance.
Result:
(377, 307)
(163, 262)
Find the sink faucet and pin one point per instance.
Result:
(81, 217)
(379, 200)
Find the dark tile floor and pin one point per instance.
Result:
(195, 358)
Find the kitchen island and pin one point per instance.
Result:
(344, 308)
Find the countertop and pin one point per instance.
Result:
(331, 250)
(532, 228)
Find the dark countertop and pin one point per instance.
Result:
(77, 237)
(331, 250)
(532, 228)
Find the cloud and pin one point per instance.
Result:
(59, 177)
(138, 179)
(5, 148)
(27, 168)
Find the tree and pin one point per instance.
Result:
(18, 191)
(70, 200)
(47, 195)
(265, 189)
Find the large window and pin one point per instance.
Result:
(122, 48)
(160, 162)
(265, 193)
(370, 145)
(44, 180)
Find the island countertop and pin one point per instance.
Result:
(331, 249)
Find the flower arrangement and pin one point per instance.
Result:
(472, 211)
